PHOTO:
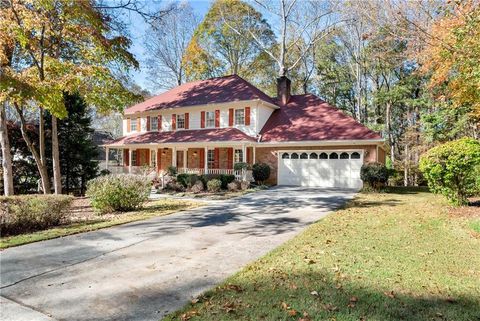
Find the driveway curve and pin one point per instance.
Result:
(145, 269)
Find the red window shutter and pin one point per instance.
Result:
(187, 120)
(129, 125)
(230, 117)
(216, 160)
(202, 158)
(249, 155)
(159, 158)
(148, 123)
(202, 119)
(126, 157)
(137, 157)
(217, 118)
(174, 122)
(159, 126)
(247, 116)
(139, 123)
(230, 158)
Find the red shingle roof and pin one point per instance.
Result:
(184, 136)
(202, 92)
(307, 117)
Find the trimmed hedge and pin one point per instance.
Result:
(28, 213)
(260, 172)
(225, 179)
(214, 185)
(187, 180)
(374, 175)
(123, 192)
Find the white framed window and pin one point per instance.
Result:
(210, 119)
(133, 125)
(154, 123)
(238, 156)
(134, 158)
(211, 158)
(153, 158)
(181, 121)
(239, 116)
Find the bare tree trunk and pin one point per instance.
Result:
(42, 168)
(57, 176)
(405, 166)
(389, 132)
(6, 155)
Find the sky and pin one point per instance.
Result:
(138, 29)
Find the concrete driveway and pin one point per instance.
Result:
(143, 270)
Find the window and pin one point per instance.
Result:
(238, 155)
(181, 121)
(239, 117)
(323, 156)
(153, 158)
(313, 156)
(134, 157)
(355, 155)
(133, 125)
(285, 156)
(333, 156)
(153, 123)
(303, 156)
(344, 155)
(210, 119)
(211, 158)
(294, 156)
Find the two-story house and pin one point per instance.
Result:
(209, 125)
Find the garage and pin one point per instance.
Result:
(337, 168)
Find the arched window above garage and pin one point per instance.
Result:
(323, 156)
(355, 155)
(303, 156)
(313, 156)
(333, 155)
(344, 155)
(294, 156)
(285, 156)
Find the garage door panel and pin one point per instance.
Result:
(316, 170)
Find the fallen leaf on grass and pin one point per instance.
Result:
(187, 316)
(329, 307)
(390, 294)
(292, 312)
(315, 293)
(234, 287)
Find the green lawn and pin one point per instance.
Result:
(152, 209)
(390, 256)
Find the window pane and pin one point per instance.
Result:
(294, 156)
(181, 121)
(153, 123)
(238, 155)
(239, 117)
(133, 124)
(304, 156)
(355, 155)
(323, 156)
(333, 156)
(285, 156)
(211, 158)
(313, 156)
(344, 155)
(210, 118)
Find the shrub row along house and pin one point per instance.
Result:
(207, 126)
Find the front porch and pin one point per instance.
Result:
(188, 160)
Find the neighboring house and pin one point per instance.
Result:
(207, 126)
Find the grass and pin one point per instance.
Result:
(384, 257)
(475, 225)
(152, 209)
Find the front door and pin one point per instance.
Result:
(180, 159)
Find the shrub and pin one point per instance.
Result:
(214, 185)
(240, 166)
(207, 177)
(198, 187)
(118, 192)
(233, 186)
(226, 179)
(261, 172)
(174, 186)
(187, 180)
(27, 213)
(374, 175)
(452, 169)
(172, 170)
(244, 185)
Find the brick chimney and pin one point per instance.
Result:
(283, 90)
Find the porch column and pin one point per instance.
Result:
(185, 152)
(174, 156)
(253, 161)
(130, 160)
(107, 151)
(244, 154)
(206, 160)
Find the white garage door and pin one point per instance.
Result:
(320, 168)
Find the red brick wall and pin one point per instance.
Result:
(268, 155)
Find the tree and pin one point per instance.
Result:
(60, 46)
(166, 43)
(6, 155)
(216, 48)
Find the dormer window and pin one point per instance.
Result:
(210, 119)
(133, 125)
(181, 121)
(239, 116)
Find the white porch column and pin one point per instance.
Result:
(130, 154)
(107, 151)
(185, 152)
(206, 160)
(253, 161)
(244, 154)
(174, 156)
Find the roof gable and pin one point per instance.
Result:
(210, 91)
(307, 118)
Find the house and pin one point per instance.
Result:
(209, 125)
